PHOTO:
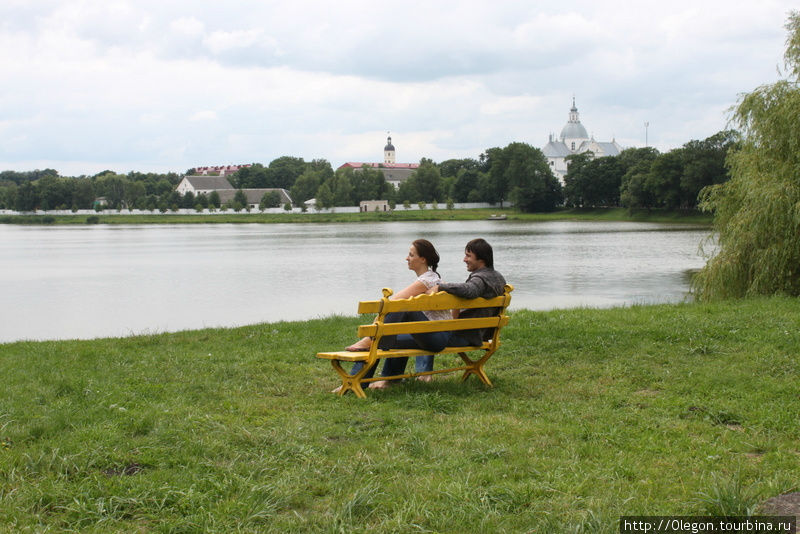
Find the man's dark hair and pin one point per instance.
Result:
(482, 251)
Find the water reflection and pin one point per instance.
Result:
(90, 281)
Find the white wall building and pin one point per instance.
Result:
(204, 185)
(575, 140)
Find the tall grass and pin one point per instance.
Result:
(673, 409)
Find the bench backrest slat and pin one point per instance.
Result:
(439, 301)
(416, 327)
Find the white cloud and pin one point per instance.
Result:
(188, 26)
(205, 115)
(141, 83)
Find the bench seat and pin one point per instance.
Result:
(439, 301)
(362, 356)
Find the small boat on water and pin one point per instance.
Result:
(500, 217)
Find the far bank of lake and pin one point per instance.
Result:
(340, 215)
(84, 281)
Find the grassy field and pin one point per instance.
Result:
(610, 214)
(671, 409)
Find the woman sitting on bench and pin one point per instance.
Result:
(423, 260)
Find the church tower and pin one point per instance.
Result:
(388, 151)
(574, 134)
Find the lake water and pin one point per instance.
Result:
(105, 281)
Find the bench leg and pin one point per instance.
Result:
(476, 368)
(351, 382)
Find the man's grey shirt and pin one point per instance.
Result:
(484, 282)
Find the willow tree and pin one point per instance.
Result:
(757, 212)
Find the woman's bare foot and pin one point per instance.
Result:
(425, 378)
(380, 384)
(361, 345)
(337, 390)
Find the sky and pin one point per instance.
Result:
(167, 85)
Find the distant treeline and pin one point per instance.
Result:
(637, 178)
(645, 178)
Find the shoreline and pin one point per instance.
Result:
(598, 214)
(332, 318)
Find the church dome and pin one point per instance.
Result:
(574, 130)
(389, 145)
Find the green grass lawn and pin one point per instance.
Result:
(647, 410)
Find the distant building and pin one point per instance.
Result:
(395, 173)
(219, 170)
(575, 140)
(204, 185)
(374, 205)
(254, 196)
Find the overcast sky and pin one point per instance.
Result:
(167, 85)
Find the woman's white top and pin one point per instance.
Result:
(430, 279)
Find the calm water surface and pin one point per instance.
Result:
(97, 281)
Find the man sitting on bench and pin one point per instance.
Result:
(483, 281)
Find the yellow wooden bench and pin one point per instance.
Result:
(439, 301)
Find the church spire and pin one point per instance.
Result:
(388, 150)
(573, 112)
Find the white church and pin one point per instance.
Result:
(575, 140)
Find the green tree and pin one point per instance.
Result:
(496, 188)
(342, 190)
(256, 176)
(664, 181)
(187, 200)
(704, 164)
(83, 194)
(524, 171)
(407, 190)
(368, 183)
(27, 197)
(593, 182)
(284, 171)
(576, 179)
(213, 200)
(162, 187)
(134, 193)
(428, 181)
(111, 186)
(8, 196)
(151, 202)
(321, 166)
(452, 167)
(466, 182)
(636, 163)
(270, 199)
(757, 212)
(239, 200)
(54, 192)
(306, 186)
(324, 197)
